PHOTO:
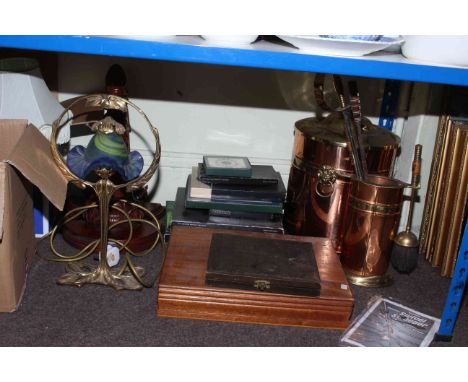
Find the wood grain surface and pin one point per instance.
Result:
(183, 293)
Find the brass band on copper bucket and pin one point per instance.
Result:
(383, 209)
(370, 281)
(371, 222)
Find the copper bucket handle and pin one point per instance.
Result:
(319, 87)
(326, 176)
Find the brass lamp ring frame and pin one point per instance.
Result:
(127, 276)
(105, 101)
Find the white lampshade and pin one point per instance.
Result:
(25, 95)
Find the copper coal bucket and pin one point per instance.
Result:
(321, 171)
(371, 221)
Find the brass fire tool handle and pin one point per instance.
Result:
(319, 82)
(127, 276)
(355, 102)
(415, 183)
(352, 136)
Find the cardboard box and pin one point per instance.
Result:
(25, 159)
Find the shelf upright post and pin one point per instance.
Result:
(455, 294)
(389, 104)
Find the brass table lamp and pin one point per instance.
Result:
(127, 275)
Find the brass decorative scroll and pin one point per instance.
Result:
(127, 275)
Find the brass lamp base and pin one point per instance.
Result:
(80, 274)
(127, 276)
(370, 281)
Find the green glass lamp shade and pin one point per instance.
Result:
(105, 150)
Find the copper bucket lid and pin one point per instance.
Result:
(317, 141)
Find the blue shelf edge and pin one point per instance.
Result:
(369, 66)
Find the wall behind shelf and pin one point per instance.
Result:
(208, 109)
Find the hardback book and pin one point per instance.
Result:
(249, 198)
(202, 218)
(242, 215)
(277, 265)
(233, 204)
(261, 175)
(224, 165)
(245, 200)
(199, 189)
(269, 192)
(170, 206)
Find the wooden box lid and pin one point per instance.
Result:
(277, 265)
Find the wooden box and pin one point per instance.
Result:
(184, 294)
